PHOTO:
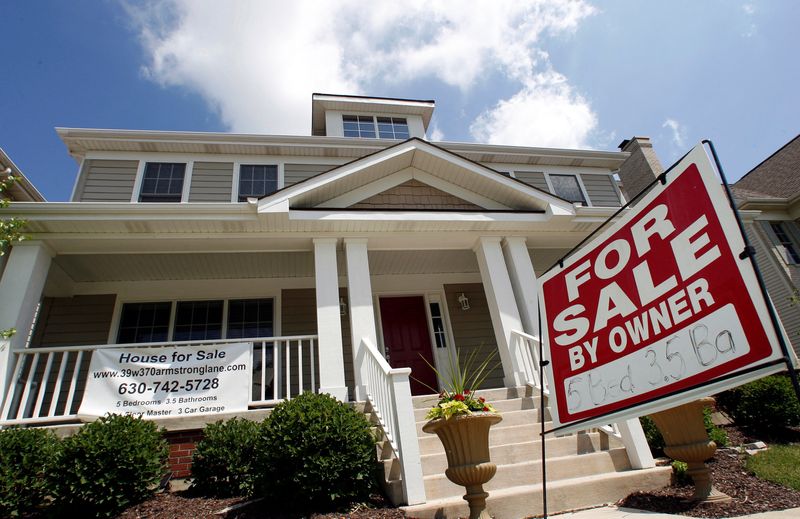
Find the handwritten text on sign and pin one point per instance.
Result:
(658, 303)
(168, 382)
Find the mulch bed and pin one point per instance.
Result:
(178, 505)
(750, 494)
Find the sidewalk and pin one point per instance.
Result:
(613, 512)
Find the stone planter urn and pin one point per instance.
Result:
(686, 440)
(466, 444)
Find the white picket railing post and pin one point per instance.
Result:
(633, 438)
(405, 425)
(6, 368)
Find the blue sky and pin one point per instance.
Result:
(558, 73)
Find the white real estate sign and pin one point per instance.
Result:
(168, 382)
(659, 309)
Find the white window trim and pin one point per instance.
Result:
(580, 185)
(187, 177)
(117, 316)
(237, 166)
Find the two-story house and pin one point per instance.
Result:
(343, 257)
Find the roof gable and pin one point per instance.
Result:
(413, 194)
(418, 160)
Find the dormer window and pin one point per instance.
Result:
(369, 127)
(162, 182)
(568, 188)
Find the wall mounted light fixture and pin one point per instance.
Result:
(464, 301)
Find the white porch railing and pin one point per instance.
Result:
(628, 432)
(46, 385)
(389, 392)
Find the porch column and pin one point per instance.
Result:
(523, 282)
(329, 326)
(362, 313)
(21, 288)
(502, 307)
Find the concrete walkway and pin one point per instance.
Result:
(613, 512)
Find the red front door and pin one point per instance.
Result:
(406, 338)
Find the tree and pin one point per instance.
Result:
(10, 229)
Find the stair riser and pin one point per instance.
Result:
(503, 406)
(526, 501)
(439, 487)
(433, 464)
(498, 435)
(491, 395)
(511, 418)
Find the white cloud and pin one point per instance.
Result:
(257, 63)
(436, 133)
(678, 132)
(749, 8)
(546, 112)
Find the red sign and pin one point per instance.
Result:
(656, 305)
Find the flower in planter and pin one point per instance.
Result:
(459, 397)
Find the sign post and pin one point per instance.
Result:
(659, 309)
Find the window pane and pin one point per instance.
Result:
(567, 187)
(257, 181)
(162, 182)
(783, 239)
(144, 322)
(249, 318)
(198, 320)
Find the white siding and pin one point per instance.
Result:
(106, 181)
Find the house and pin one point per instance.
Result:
(341, 257)
(768, 197)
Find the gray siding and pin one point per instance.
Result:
(294, 173)
(600, 189)
(106, 181)
(472, 329)
(533, 178)
(299, 317)
(211, 182)
(71, 321)
(778, 283)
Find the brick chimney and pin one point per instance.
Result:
(641, 168)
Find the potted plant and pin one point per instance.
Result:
(461, 419)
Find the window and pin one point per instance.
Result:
(365, 126)
(198, 321)
(249, 318)
(782, 234)
(162, 182)
(195, 320)
(568, 188)
(392, 128)
(257, 181)
(144, 322)
(359, 126)
(438, 326)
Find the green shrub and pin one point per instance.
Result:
(765, 404)
(109, 465)
(679, 475)
(716, 433)
(315, 453)
(26, 457)
(221, 460)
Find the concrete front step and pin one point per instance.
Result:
(502, 406)
(491, 395)
(567, 494)
(498, 435)
(515, 474)
(580, 443)
(510, 418)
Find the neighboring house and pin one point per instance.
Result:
(20, 191)
(336, 252)
(769, 200)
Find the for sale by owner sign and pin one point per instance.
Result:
(657, 305)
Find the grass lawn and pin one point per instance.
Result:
(780, 464)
